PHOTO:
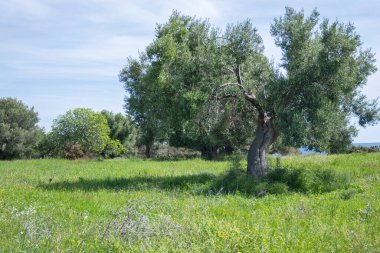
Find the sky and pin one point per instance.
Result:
(57, 55)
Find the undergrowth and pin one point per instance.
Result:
(280, 180)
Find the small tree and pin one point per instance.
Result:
(79, 133)
(122, 129)
(19, 132)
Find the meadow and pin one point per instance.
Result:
(131, 205)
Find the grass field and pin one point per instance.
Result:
(156, 206)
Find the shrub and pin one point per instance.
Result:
(308, 181)
(113, 149)
(163, 151)
(284, 150)
(360, 149)
(80, 133)
(122, 129)
(74, 150)
(280, 181)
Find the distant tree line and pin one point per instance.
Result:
(79, 133)
(82, 133)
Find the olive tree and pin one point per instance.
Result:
(19, 132)
(192, 72)
(170, 90)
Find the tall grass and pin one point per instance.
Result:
(158, 206)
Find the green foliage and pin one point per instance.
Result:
(172, 87)
(19, 132)
(191, 84)
(308, 181)
(277, 147)
(324, 69)
(80, 133)
(113, 149)
(163, 152)
(140, 101)
(372, 149)
(122, 129)
(280, 180)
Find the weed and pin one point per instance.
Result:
(132, 205)
(282, 180)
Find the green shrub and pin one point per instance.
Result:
(360, 149)
(281, 181)
(308, 181)
(277, 188)
(113, 149)
(165, 152)
(74, 151)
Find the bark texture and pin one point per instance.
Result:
(148, 150)
(265, 133)
(265, 136)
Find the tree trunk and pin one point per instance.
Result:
(228, 150)
(148, 150)
(209, 153)
(265, 136)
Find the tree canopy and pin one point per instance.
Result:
(200, 86)
(19, 132)
(79, 133)
(169, 91)
(122, 129)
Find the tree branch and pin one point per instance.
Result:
(230, 69)
(247, 95)
(253, 100)
(238, 75)
(237, 84)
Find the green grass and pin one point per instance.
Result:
(156, 206)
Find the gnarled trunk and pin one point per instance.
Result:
(265, 136)
(265, 133)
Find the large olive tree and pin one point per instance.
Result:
(201, 83)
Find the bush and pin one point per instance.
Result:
(75, 151)
(113, 149)
(80, 133)
(280, 181)
(122, 129)
(163, 151)
(360, 149)
(284, 150)
(308, 181)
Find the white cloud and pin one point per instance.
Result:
(89, 40)
(101, 58)
(27, 9)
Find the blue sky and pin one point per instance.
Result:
(57, 55)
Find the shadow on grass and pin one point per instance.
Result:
(278, 180)
(184, 183)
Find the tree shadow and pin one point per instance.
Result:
(169, 183)
(235, 180)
